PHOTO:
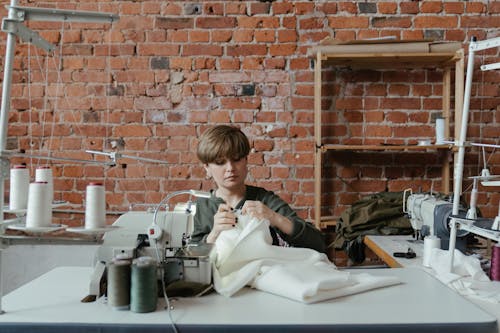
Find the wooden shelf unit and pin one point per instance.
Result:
(445, 61)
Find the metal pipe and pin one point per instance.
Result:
(459, 163)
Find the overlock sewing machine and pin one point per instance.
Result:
(163, 236)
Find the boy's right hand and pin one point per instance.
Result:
(224, 219)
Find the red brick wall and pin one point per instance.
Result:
(150, 83)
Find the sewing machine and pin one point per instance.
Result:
(430, 215)
(164, 238)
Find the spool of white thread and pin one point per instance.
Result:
(39, 211)
(95, 206)
(44, 174)
(430, 242)
(439, 131)
(19, 187)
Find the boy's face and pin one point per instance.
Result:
(228, 174)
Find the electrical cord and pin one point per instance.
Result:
(163, 287)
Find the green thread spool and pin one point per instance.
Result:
(118, 289)
(144, 287)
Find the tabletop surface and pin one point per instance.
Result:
(397, 243)
(421, 303)
(400, 243)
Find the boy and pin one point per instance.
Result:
(223, 150)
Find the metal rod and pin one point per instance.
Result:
(459, 163)
(4, 121)
(54, 158)
(115, 155)
(63, 15)
(484, 145)
(490, 66)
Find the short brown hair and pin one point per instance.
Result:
(222, 142)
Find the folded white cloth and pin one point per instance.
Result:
(467, 278)
(245, 256)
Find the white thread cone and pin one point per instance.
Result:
(39, 211)
(95, 206)
(430, 242)
(439, 131)
(44, 174)
(19, 187)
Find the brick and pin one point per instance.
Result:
(348, 7)
(131, 131)
(243, 35)
(243, 116)
(282, 49)
(275, 63)
(478, 22)
(229, 77)
(311, 23)
(131, 8)
(409, 7)
(454, 7)
(385, 22)
(302, 8)
(289, 22)
(436, 22)
(387, 7)
(252, 63)
(241, 103)
(177, 36)
(475, 7)
(198, 36)
(431, 7)
(265, 36)
(280, 8)
(246, 50)
(281, 173)
(151, 8)
(235, 8)
(288, 35)
(219, 117)
(180, 63)
(260, 172)
(378, 131)
(367, 8)
(494, 7)
(214, 9)
(215, 22)
(202, 49)
(260, 8)
(346, 23)
(253, 22)
(221, 35)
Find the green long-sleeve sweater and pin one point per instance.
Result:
(304, 234)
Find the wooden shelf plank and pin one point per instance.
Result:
(327, 221)
(384, 147)
(391, 60)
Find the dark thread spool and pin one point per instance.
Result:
(495, 263)
(144, 287)
(119, 284)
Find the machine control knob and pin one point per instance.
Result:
(154, 232)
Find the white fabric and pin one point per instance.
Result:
(467, 278)
(245, 256)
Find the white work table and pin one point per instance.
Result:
(385, 246)
(51, 303)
